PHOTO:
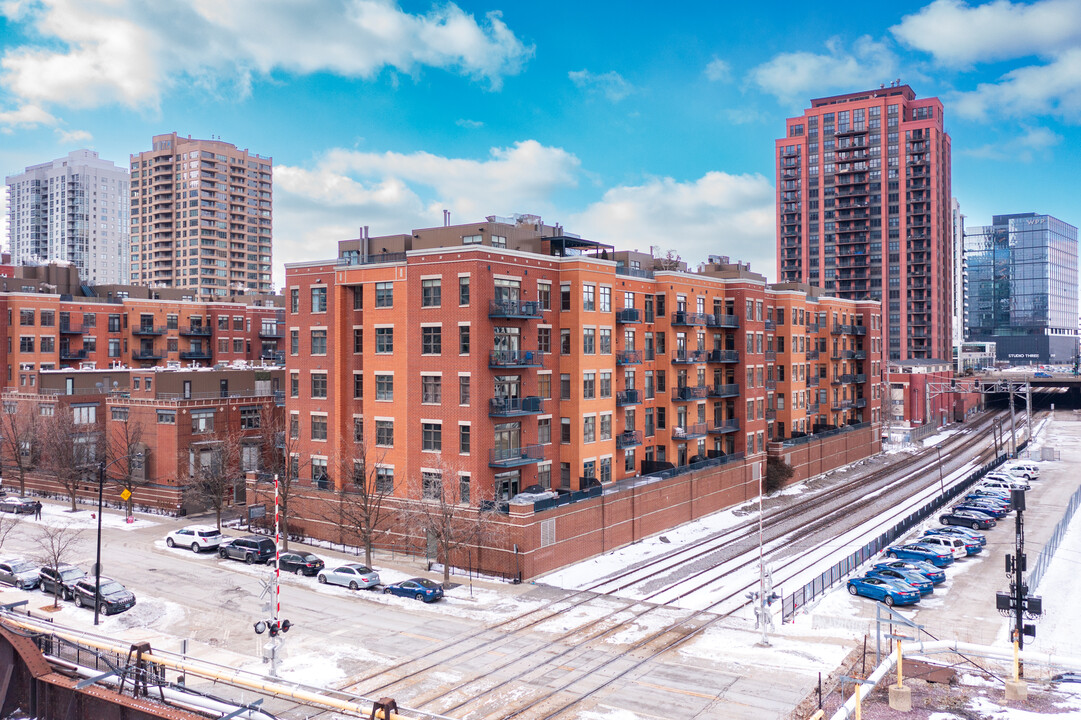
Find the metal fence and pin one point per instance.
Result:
(1054, 541)
(819, 585)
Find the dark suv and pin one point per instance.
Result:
(60, 580)
(250, 549)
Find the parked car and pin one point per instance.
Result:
(1042, 374)
(988, 505)
(63, 577)
(19, 573)
(994, 513)
(1028, 471)
(961, 532)
(890, 592)
(953, 545)
(196, 537)
(418, 588)
(251, 549)
(353, 576)
(928, 570)
(919, 551)
(300, 563)
(1004, 482)
(114, 597)
(995, 500)
(910, 577)
(972, 545)
(18, 505)
(967, 518)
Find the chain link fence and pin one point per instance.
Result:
(1054, 541)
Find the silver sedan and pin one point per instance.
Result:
(353, 576)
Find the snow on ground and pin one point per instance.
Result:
(82, 519)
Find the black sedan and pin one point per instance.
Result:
(114, 597)
(300, 563)
(967, 518)
(17, 505)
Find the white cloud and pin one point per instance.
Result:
(1032, 144)
(26, 116)
(718, 70)
(70, 137)
(611, 84)
(799, 75)
(717, 214)
(97, 52)
(469, 124)
(1053, 89)
(316, 207)
(958, 34)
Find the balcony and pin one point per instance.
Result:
(148, 330)
(861, 402)
(859, 329)
(771, 414)
(682, 317)
(723, 356)
(771, 356)
(197, 330)
(771, 384)
(146, 355)
(629, 357)
(515, 359)
(689, 356)
(268, 333)
(844, 379)
(68, 354)
(722, 320)
(690, 432)
(628, 439)
(628, 397)
(513, 457)
(275, 357)
(860, 378)
(770, 325)
(627, 315)
(513, 407)
(812, 354)
(67, 329)
(812, 408)
(514, 309)
(724, 390)
(196, 354)
(812, 381)
(683, 394)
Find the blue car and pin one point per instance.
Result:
(914, 579)
(919, 551)
(996, 513)
(1042, 374)
(888, 591)
(928, 570)
(418, 588)
(995, 501)
(961, 532)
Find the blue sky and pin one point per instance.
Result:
(632, 123)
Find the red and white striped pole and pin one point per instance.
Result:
(277, 553)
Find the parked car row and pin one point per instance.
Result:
(254, 549)
(68, 582)
(914, 568)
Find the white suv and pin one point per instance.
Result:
(196, 537)
(1009, 482)
(1026, 470)
(952, 545)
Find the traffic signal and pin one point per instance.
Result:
(273, 629)
(286, 625)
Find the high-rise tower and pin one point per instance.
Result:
(863, 210)
(201, 214)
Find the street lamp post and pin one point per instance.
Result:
(97, 563)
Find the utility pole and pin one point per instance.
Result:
(1012, 450)
(1017, 603)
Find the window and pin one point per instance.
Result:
(589, 341)
(606, 299)
(431, 485)
(202, 421)
(384, 294)
(499, 241)
(544, 431)
(431, 437)
(384, 480)
(250, 418)
(463, 489)
(431, 389)
(358, 297)
(48, 318)
(114, 347)
(48, 344)
(384, 387)
(384, 433)
(26, 344)
(564, 297)
(238, 345)
(606, 427)
(606, 341)
(358, 386)
(319, 385)
(589, 300)
(384, 340)
(565, 386)
(358, 430)
(26, 318)
(319, 427)
(50, 410)
(628, 460)
(223, 322)
(431, 340)
(544, 386)
(463, 339)
(294, 428)
(319, 342)
(544, 340)
(565, 342)
(463, 389)
(119, 414)
(544, 295)
(294, 301)
(606, 384)
(319, 299)
(431, 292)
(565, 430)
(472, 239)
(294, 342)
(463, 291)
(589, 386)
(114, 322)
(358, 341)
(589, 429)
(463, 439)
(167, 417)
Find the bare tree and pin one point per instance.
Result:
(362, 511)
(56, 546)
(669, 260)
(125, 452)
(214, 469)
(280, 455)
(7, 526)
(19, 441)
(70, 450)
(436, 514)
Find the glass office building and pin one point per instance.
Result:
(1021, 283)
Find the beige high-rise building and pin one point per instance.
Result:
(201, 213)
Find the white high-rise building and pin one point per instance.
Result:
(73, 209)
(960, 301)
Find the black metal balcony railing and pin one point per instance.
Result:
(689, 356)
(195, 354)
(197, 330)
(510, 457)
(277, 357)
(723, 356)
(142, 355)
(725, 426)
(682, 317)
(771, 355)
(770, 325)
(812, 408)
(514, 309)
(844, 379)
(722, 320)
(515, 359)
(861, 402)
(690, 392)
(771, 384)
(859, 329)
(812, 354)
(689, 432)
(628, 397)
(627, 439)
(66, 354)
(721, 390)
(812, 381)
(270, 333)
(148, 330)
(69, 329)
(629, 357)
(507, 407)
(627, 315)
(771, 414)
(860, 378)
